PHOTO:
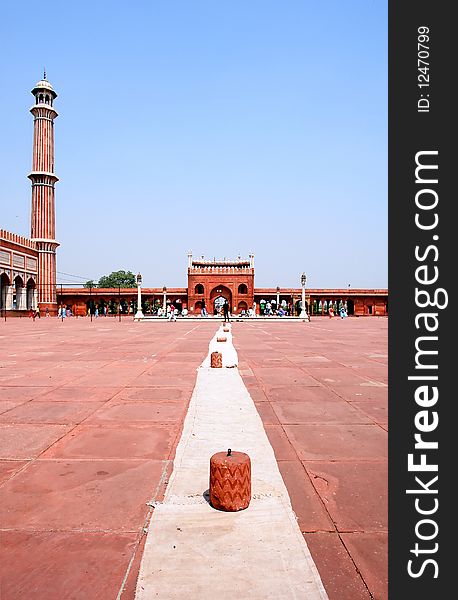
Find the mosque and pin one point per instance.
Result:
(28, 265)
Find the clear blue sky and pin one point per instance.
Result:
(222, 127)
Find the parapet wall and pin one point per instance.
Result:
(14, 238)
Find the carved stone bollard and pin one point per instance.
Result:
(230, 481)
(216, 360)
(221, 338)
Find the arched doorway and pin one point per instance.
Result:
(350, 307)
(4, 291)
(19, 300)
(242, 307)
(217, 297)
(31, 293)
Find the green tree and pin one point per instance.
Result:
(124, 279)
(90, 284)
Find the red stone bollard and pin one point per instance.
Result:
(221, 338)
(216, 360)
(225, 329)
(230, 481)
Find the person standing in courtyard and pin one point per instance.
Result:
(226, 311)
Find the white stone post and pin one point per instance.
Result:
(304, 316)
(139, 314)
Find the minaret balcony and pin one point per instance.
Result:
(42, 177)
(44, 111)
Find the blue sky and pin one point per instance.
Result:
(222, 127)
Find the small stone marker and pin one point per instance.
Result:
(216, 360)
(221, 338)
(230, 481)
(225, 329)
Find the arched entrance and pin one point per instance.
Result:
(350, 307)
(217, 297)
(242, 307)
(19, 293)
(4, 291)
(30, 293)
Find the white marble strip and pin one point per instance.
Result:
(193, 551)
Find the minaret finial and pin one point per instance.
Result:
(44, 72)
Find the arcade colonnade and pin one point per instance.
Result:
(17, 294)
(115, 301)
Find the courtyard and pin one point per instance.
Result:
(91, 414)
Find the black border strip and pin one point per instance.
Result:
(410, 132)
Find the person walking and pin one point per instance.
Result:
(172, 316)
(226, 311)
(203, 310)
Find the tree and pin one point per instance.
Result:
(123, 279)
(90, 284)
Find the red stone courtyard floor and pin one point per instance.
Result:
(90, 415)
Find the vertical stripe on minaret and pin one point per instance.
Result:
(43, 178)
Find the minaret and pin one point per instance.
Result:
(43, 221)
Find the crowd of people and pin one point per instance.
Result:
(171, 312)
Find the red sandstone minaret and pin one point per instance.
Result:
(43, 222)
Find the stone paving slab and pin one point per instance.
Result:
(64, 565)
(9, 468)
(82, 495)
(354, 493)
(338, 571)
(27, 440)
(116, 440)
(63, 413)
